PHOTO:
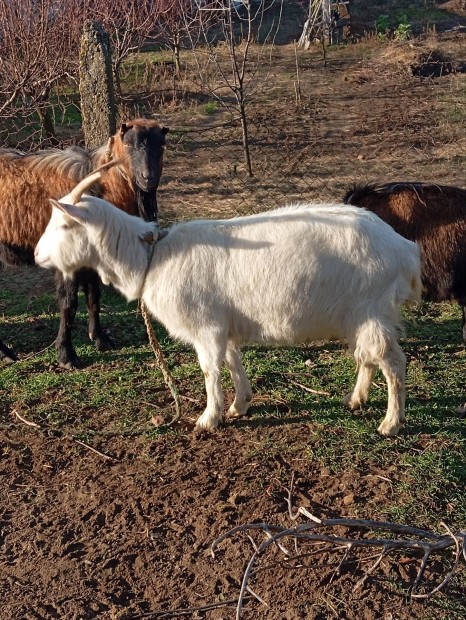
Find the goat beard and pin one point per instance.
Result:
(147, 204)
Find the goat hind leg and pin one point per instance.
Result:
(393, 366)
(360, 392)
(243, 392)
(377, 345)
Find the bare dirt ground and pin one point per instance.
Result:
(127, 531)
(87, 537)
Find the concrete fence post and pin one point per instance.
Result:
(96, 87)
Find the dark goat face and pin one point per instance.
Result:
(144, 146)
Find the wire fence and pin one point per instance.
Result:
(354, 121)
(314, 132)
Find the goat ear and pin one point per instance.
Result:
(147, 237)
(124, 128)
(165, 130)
(75, 213)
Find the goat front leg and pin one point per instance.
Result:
(67, 295)
(243, 392)
(90, 283)
(211, 359)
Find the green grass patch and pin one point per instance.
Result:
(117, 393)
(209, 108)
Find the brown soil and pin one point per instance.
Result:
(86, 536)
(83, 536)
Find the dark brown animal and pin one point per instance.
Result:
(435, 217)
(28, 181)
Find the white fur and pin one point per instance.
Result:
(287, 276)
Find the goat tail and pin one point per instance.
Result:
(416, 287)
(87, 182)
(415, 296)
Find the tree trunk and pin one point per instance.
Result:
(244, 128)
(48, 127)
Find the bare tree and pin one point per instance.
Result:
(38, 48)
(129, 23)
(240, 24)
(181, 23)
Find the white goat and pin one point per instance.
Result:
(287, 276)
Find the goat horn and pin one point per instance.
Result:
(82, 186)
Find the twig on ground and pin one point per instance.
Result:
(24, 421)
(85, 445)
(301, 510)
(371, 569)
(460, 546)
(173, 613)
(78, 441)
(256, 596)
(190, 399)
(308, 389)
(288, 560)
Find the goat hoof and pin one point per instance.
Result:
(235, 413)
(207, 423)
(389, 430)
(103, 343)
(6, 354)
(68, 360)
(68, 365)
(7, 359)
(352, 403)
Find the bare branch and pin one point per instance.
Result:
(413, 538)
(38, 48)
(459, 540)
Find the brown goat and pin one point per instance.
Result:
(435, 217)
(27, 183)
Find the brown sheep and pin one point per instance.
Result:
(27, 183)
(435, 217)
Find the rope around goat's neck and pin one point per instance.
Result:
(169, 381)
